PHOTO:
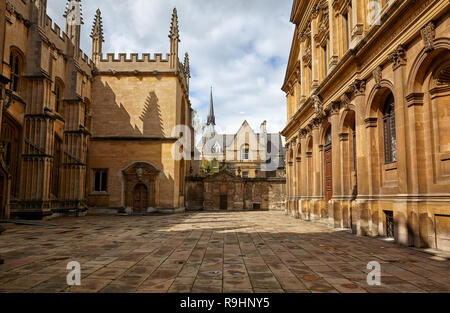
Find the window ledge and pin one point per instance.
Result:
(390, 166)
(98, 193)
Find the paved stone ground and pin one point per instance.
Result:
(209, 252)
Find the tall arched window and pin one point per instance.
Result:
(59, 92)
(245, 152)
(390, 138)
(16, 64)
(328, 137)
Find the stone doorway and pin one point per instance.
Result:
(140, 198)
(223, 202)
(141, 187)
(223, 197)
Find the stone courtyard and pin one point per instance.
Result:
(263, 252)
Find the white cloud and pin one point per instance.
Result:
(241, 47)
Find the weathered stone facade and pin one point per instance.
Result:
(225, 191)
(59, 105)
(368, 96)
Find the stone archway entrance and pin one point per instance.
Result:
(141, 187)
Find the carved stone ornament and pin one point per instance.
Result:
(378, 76)
(428, 34)
(358, 87)
(345, 101)
(398, 56)
(334, 107)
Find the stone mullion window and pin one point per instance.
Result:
(100, 180)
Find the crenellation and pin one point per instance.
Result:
(134, 58)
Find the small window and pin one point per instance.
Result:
(325, 60)
(269, 146)
(58, 95)
(100, 180)
(347, 31)
(15, 63)
(245, 174)
(245, 153)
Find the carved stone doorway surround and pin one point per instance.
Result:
(141, 173)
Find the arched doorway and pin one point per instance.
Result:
(141, 187)
(140, 196)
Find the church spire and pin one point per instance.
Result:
(211, 118)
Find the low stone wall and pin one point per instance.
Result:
(224, 191)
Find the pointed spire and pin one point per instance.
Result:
(211, 118)
(73, 11)
(187, 67)
(97, 28)
(174, 31)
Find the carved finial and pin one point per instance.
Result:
(174, 31)
(97, 28)
(73, 12)
(187, 67)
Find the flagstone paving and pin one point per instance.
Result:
(242, 252)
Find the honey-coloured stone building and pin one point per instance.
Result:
(79, 132)
(368, 102)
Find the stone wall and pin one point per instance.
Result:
(225, 191)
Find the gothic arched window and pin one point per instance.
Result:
(390, 138)
(16, 65)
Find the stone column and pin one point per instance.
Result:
(415, 148)
(304, 175)
(314, 53)
(398, 58)
(334, 37)
(303, 92)
(361, 207)
(316, 168)
(357, 22)
(335, 212)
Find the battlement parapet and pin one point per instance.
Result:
(135, 57)
(124, 62)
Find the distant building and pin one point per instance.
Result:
(246, 153)
(248, 171)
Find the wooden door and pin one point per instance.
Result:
(224, 202)
(328, 174)
(140, 198)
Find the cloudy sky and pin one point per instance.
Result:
(240, 47)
